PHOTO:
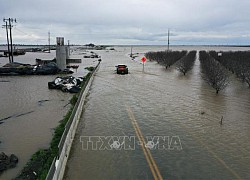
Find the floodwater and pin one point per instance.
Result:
(161, 103)
(31, 110)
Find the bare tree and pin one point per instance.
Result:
(165, 58)
(212, 72)
(186, 63)
(237, 62)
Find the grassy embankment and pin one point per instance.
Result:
(40, 162)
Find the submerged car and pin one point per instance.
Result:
(121, 69)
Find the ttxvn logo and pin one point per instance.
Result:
(102, 143)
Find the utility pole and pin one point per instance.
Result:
(11, 44)
(9, 26)
(49, 40)
(69, 47)
(6, 25)
(168, 39)
(131, 53)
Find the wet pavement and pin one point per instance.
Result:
(159, 123)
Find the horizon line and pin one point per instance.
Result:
(234, 45)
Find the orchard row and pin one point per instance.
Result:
(213, 64)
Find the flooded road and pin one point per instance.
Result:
(182, 112)
(29, 111)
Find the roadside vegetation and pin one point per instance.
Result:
(40, 162)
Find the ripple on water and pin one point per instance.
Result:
(166, 103)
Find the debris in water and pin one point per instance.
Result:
(40, 103)
(24, 114)
(66, 84)
(7, 162)
(221, 120)
(15, 116)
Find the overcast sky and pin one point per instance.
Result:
(125, 22)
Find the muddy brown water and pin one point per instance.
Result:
(30, 111)
(163, 103)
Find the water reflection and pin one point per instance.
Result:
(164, 103)
(32, 110)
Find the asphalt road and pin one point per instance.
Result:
(159, 124)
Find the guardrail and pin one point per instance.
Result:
(57, 168)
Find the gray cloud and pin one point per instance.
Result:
(129, 21)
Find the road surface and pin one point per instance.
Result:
(159, 124)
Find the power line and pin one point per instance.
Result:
(168, 39)
(23, 32)
(8, 25)
(49, 40)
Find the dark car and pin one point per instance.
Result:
(122, 69)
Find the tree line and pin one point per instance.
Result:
(183, 60)
(237, 62)
(165, 58)
(214, 65)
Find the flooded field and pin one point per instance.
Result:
(29, 110)
(162, 103)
